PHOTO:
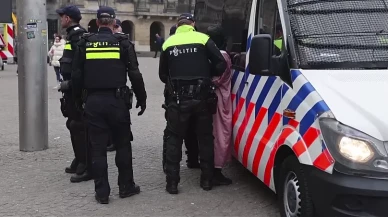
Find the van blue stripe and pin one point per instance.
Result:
(252, 89)
(241, 86)
(311, 115)
(263, 94)
(300, 96)
(249, 40)
(274, 104)
(234, 77)
(285, 88)
(294, 74)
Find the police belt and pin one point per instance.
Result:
(118, 92)
(199, 91)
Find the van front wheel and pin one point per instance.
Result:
(292, 189)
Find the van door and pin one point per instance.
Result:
(268, 105)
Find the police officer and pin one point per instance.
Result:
(188, 61)
(116, 29)
(70, 18)
(99, 79)
(191, 141)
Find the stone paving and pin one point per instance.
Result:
(35, 184)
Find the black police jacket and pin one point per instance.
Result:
(190, 55)
(103, 60)
(74, 34)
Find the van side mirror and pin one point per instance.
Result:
(260, 56)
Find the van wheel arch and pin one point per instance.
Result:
(287, 163)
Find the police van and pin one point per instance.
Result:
(310, 98)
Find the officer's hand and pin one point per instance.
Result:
(142, 106)
(64, 86)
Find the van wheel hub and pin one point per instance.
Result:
(291, 195)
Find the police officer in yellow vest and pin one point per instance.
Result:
(278, 42)
(188, 61)
(105, 60)
(70, 17)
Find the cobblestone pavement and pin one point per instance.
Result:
(35, 184)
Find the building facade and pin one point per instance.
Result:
(141, 19)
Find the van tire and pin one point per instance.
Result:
(2, 67)
(292, 179)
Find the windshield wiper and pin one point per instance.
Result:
(339, 11)
(320, 2)
(341, 46)
(345, 65)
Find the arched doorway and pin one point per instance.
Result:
(128, 28)
(92, 26)
(155, 28)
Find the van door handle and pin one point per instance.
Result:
(289, 113)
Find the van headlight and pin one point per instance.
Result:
(354, 152)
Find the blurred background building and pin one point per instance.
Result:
(141, 19)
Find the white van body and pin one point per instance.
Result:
(318, 137)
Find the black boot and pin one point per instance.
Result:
(73, 167)
(101, 200)
(112, 147)
(206, 184)
(220, 179)
(128, 190)
(172, 187)
(85, 176)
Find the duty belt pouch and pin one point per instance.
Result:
(63, 107)
(128, 97)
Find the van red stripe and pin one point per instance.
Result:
(293, 123)
(268, 168)
(264, 140)
(10, 31)
(310, 136)
(322, 162)
(259, 119)
(238, 110)
(299, 148)
(244, 124)
(233, 97)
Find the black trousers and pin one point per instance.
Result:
(108, 116)
(76, 126)
(190, 140)
(178, 122)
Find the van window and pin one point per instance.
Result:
(268, 11)
(208, 13)
(339, 34)
(233, 16)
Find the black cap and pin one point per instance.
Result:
(71, 10)
(172, 30)
(186, 16)
(106, 12)
(118, 22)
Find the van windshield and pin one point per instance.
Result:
(340, 33)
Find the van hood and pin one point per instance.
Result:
(357, 98)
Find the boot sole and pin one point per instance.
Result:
(102, 201)
(80, 180)
(69, 171)
(172, 192)
(129, 195)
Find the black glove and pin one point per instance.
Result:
(64, 86)
(142, 106)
